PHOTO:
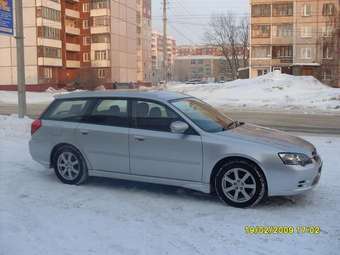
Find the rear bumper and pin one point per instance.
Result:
(37, 153)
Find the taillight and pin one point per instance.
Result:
(35, 126)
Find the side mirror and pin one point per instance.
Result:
(179, 127)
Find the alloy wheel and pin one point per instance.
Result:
(68, 166)
(238, 185)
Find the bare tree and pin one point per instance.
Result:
(244, 39)
(230, 35)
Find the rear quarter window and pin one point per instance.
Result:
(66, 110)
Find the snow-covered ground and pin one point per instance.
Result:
(273, 91)
(39, 215)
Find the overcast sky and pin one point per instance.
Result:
(188, 18)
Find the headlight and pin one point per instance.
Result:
(295, 158)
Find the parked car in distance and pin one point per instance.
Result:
(173, 139)
(194, 82)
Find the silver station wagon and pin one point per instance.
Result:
(173, 139)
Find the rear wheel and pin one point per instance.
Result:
(69, 165)
(240, 184)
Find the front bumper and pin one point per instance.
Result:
(294, 180)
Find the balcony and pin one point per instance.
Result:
(100, 63)
(100, 30)
(48, 42)
(100, 12)
(48, 23)
(100, 46)
(72, 13)
(72, 64)
(72, 30)
(49, 3)
(72, 47)
(42, 61)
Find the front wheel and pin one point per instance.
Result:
(240, 184)
(69, 165)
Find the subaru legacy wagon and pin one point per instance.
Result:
(172, 139)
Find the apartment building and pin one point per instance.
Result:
(114, 40)
(144, 37)
(198, 50)
(298, 37)
(157, 57)
(65, 37)
(200, 67)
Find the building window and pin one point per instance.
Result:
(100, 55)
(100, 21)
(101, 73)
(306, 31)
(306, 53)
(85, 24)
(262, 72)
(282, 52)
(284, 30)
(261, 52)
(283, 9)
(48, 13)
(306, 10)
(49, 33)
(327, 31)
(86, 7)
(86, 40)
(261, 31)
(99, 4)
(86, 57)
(261, 10)
(327, 75)
(328, 9)
(101, 38)
(327, 52)
(49, 52)
(47, 73)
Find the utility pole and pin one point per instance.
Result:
(165, 42)
(19, 36)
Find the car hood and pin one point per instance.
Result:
(272, 137)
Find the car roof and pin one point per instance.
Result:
(155, 95)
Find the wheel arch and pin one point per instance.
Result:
(233, 158)
(60, 145)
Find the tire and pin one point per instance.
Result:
(240, 183)
(69, 165)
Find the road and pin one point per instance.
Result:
(294, 122)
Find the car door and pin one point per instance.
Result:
(104, 135)
(155, 151)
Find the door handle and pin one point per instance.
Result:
(139, 138)
(84, 132)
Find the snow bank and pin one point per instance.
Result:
(11, 97)
(273, 91)
(12, 126)
(40, 215)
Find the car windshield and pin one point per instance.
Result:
(203, 115)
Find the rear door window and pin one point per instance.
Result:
(110, 112)
(67, 110)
